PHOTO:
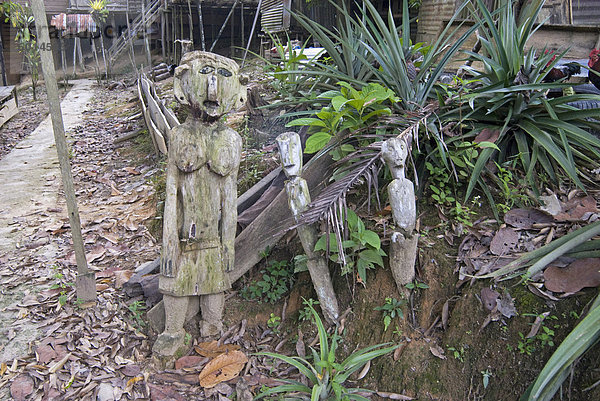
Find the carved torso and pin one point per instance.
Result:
(204, 158)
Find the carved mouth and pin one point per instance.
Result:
(210, 106)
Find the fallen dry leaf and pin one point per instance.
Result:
(21, 387)
(212, 349)
(437, 351)
(189, 361)
(489, 297)
(504, 241)
(487, 135)
(526, 218)
(579, 274)
(575, 209)
(224, 367)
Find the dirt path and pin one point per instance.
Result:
(29, 174)
(29, 183)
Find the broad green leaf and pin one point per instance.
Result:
(317, 141)
(306, 121)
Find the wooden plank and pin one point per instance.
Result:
(145, 114)
(8, 110)
(270, 225)
(156, 114)
(5, 92)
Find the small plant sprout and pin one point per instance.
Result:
(458, 353)
(486, 374)
(137, 308)
(305, 314)
(274, 322)
(417, 285)
(391, 308)
(324, 377)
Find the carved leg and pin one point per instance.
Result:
(211, 307)
(171, 341)
(319, 274)
(403, 253)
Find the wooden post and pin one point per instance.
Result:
(146, 42)
(63, 58)
(2, 63)
(242, 23)
(162, 35)
(130, 38)
(75, 57)
(252, 32)
(191, 21)
(80, 55)
(223, 26)
(86, 280)
(201, 23)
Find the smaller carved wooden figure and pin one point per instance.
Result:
(200, 209)
(290, 150)
(401, 193)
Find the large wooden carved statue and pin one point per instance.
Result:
(201, 192)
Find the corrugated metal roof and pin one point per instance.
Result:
(73, 24)
(586, 12)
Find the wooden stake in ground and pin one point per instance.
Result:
(86, 281)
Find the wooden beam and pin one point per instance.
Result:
(86, 280)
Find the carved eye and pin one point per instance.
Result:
(206, 69)
(224, 72)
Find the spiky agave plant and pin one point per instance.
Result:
(510, 98)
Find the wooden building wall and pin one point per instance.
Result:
(52, 6)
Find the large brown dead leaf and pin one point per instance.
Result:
(526, 218)
(190, 361)
(504, 241)
(487, 135)
(21, 387)
(222, 368)
(579, 274)
(575, 209)
(212, 349)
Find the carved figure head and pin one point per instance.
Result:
(209, 83)
(290, 151)
(395, 152)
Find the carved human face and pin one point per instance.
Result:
(395, 152)
(290, 151)
(209, 84)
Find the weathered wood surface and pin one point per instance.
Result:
(8, 110)
(270, 225)
(159, 119)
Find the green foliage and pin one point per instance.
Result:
(361, 251)
(60, 284)
(98, 11)
(21, 18)
(325, 376)
(137, 308)
(273, 322)
(458, 353)
(485, 376)
(557, 369)
(305, 313)
(509, 190)
(510, 99)
(391, 308)
(275, 282)
(417, 285)
(349, 109)
(367, 48)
